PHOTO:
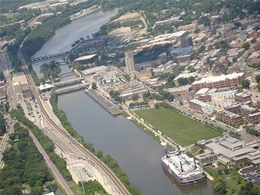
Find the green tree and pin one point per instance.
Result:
(94, 86)
(135, 97)
(246, 45)
(257, 78)
(245, 84)
(258, 87)
(2, 125)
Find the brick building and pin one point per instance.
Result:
(205, 98)
(221, 81)
(253, 118)
(233, 108)
(230, 117)
(201, 107)
(242, 97)
(246, 110)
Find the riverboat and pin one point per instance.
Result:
(182, 168)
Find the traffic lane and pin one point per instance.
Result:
(251, 173)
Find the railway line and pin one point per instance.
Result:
(116, 184)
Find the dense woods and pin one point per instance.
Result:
(2, 125)
(18, 169)
(45, 141)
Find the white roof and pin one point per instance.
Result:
(202, 104)
(202, 91)
(94, 70)
(219, 78)
(46, 86)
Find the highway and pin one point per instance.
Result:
(61, 137)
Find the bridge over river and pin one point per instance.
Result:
(51, 56)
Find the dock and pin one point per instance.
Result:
(104, 102)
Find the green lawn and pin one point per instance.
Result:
(181, 129)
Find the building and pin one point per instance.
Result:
(201, 107)
(180, 91)
(129, 93)
(185, 75)
(186, 42)
(205, 98)
(233, 150)
(202, 91)
(233, 108)
(224, 94)
(242, 97)
(191, 26)
(206, 158)
(181, 51)
(222, 81)
(129, 62)
(94, 70)
(230, 117)
(84, 60)
(246, 110)
(27, 94)
(253, 118)
(221, 102)
(183, 59)
(168, 67)
(144, 75)
(46, 87)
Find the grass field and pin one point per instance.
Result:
(181, 129)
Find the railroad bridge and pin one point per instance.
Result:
(45, 57)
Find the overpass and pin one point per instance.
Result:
(68, 82)
(45, 57)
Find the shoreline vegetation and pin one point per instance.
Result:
(108, 160)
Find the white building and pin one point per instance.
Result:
(221, 102)
(224, 94)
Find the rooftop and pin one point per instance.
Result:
(85, 57)
(211, 79)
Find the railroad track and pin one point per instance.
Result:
(114, 181)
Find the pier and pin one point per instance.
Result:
(68, 82)
(71, 88)
(102, 101)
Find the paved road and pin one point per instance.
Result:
(57, 175)
(7, 69)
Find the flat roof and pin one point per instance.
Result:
(94, 70)
(202, 91)
(85, 57)
(19, 77)
(218, 78)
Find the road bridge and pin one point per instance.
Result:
(45, 57)
(71, 88)
(68, 82)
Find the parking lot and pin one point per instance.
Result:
(251, 174)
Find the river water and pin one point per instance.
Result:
(137, 153)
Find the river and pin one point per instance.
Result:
(137, 153)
